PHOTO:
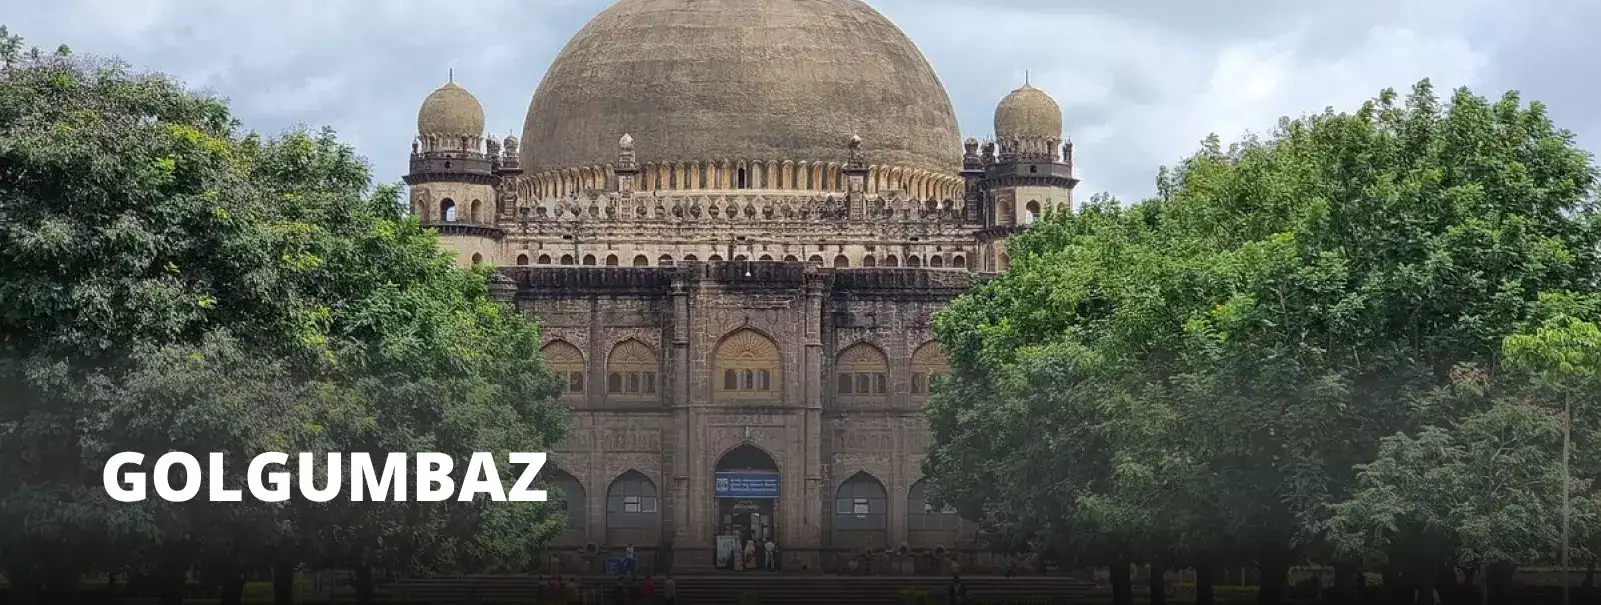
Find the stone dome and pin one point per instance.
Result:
(741, 80)
(1028, 113)
(451, 110)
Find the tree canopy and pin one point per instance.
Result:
(1294, 352)
(169, 282)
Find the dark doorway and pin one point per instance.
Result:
(747, 494)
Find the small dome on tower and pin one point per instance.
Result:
(1028, 113)
(451, 110)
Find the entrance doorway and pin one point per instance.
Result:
(747, 494)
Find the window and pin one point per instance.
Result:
(924, 514)
(611, 260)
(570, 502)
(748, 363)
(928, 364)
(861, 504)
(840, 262)
(665, 261)
(631, 370)
(589, 259)
(631, 502)
(566, 259)
(447, 211)
(522, 260)
(862, 370)
(568, 362)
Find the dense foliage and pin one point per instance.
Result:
(168, 282)
(1349, 342)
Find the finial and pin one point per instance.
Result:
(1025, 77)
(451, 75)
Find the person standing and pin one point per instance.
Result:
(670, 591)
(750, 553)
(772, 554)
(647, 590)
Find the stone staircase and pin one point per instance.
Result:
(769, 589)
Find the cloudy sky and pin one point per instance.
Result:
(1140, 81)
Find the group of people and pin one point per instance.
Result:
(630, 590)
(755, 555)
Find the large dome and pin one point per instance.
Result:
(741, 80)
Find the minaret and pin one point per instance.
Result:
(453, 176)
(1028, 178)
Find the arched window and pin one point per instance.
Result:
(611, 260)
(923, 515)
(570, 502)
(641, 261)
(690, 258)
(665, 261)
(477, 258)
(790, 258)
(816, 260)
(714, 258)
(631, 502)
(566, 259)
(1005, 215)
(743, 182)
(1031, 212)
(522, 260)
(928, 364)
(861, 373)
(861, 504)
(959, 261)
(544, 259)
(631, 371)
(869, 261)
(447, 211)
(891, 261)
(749, 364)
(739, 258)
(840, 262)
(589, 259)
(936, 261)
(766, 257)
(568, 362)
(475, 207)
(913, 261)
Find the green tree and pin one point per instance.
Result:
(1258, 330)
(170, 283)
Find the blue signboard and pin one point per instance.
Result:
(748, 485)
(619, 566)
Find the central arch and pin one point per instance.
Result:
(747, 492)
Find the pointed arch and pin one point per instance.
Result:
(861, 504)
(447, 210)
(589, 260)
(522, 260)
(544, 259)
(568, 362)
(631, 371)
(632, 505)
(747, 367)
(928, 365)
(891, 261)
(861, 373)
(569, 498)
(924, 515)
(641, 260)
(611, 260)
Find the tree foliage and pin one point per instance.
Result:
(1293, 352)
(169, 282)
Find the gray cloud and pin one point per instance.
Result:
(1140, 81)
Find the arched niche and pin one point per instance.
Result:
(631, 372)
(747, 368)
(567, 362)
(633, 510)
(928, 364)
(568, 500)
(929, 524)
(861, 513)
(861, 374)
